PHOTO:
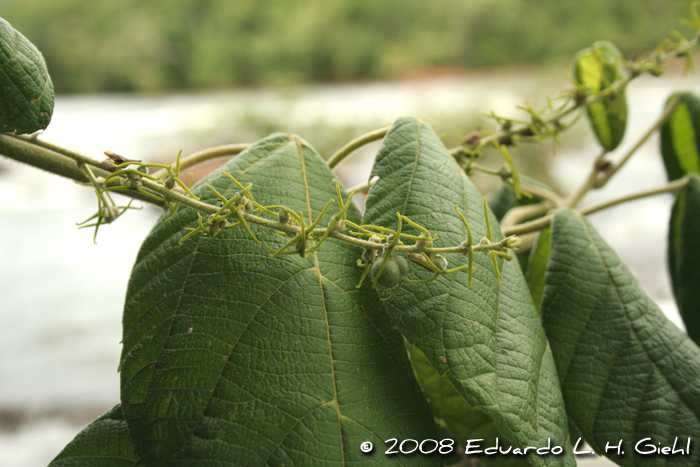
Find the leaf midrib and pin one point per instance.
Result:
(300, 150)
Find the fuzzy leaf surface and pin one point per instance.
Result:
(104, 443)
(26, 90)
(488, 340)
(234, 358)
(626, 371)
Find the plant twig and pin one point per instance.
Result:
(37, 156)
(518, 214)
(205, 155)
(544, 222)
(542, 193)
(346, 150)
(363, 186)
(77, 157)
(603, 170)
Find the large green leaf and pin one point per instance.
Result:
(488, 340)
(684, 255)
(596, 69)
(231, 357)
(680, 137)
(627, 372)
(26, 90)
(457, 416)
(105, 442)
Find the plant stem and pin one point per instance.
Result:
(544, 222)
(574, 198)
(518, 214)
(672, 186)
(602, 172)
(40, 157)
(637, 70)
(346, 150)
(542, 193)
(658, 124)
(486, 170)
(205, 155)
(363, 186)
(78, 158)
(28, 151)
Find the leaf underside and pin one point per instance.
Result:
(233, 358)
(26, 90)
(488, 341)
(626, 371)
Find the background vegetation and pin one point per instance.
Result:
(130, 45)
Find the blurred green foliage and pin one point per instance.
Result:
(132, 45)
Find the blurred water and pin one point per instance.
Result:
(62, 296)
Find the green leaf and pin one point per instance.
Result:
(684, 255)
(537, 265)
(26, 90)
(680, 137)
(229, 354)
(626, 371)
(456, 415)
(104, 442)
(488, 341)
(596, 69)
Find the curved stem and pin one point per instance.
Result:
(544, 222)
(363, 186)
(205, 155)
(346, 150)
(658, 124)
(602, 172)
(516, 215)
(542, 193)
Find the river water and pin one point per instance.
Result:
(62, 296)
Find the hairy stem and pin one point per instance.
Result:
(77, 157)
(40, 157)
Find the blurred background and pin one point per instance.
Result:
(148, 79)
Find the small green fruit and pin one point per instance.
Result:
(396, 267)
